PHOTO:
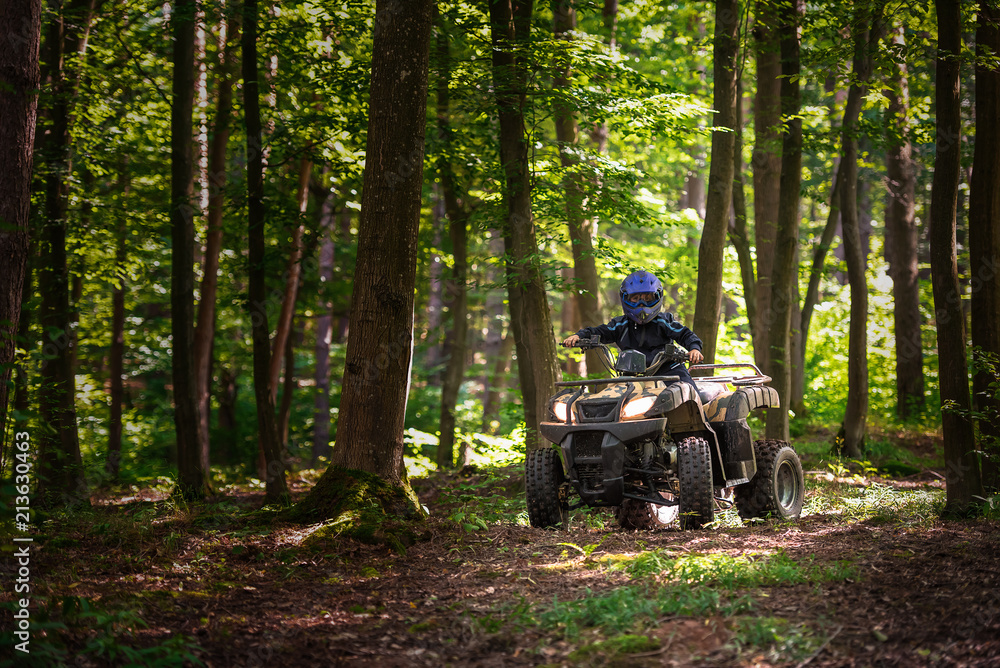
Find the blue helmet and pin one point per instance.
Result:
(641, 296)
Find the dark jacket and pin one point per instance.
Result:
(648, 339)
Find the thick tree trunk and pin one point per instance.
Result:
(324, 331)
(510, 22)
(783, 271)
(276, 489)
(20, 30)
(380, 348)
(451, 382)
(766, 166)
(586, 294)
(963, 473)
(902, 234)
(866, 25)
(60, 469)
(708, 303)
(984, 230)
(192, 479)
(204, 333)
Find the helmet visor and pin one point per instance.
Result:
(644, 299)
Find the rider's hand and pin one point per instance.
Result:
(695, 356)
(571, 341)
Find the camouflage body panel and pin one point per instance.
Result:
(730, 406)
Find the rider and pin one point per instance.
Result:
(643, 327)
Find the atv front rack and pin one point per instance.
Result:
(759, 378)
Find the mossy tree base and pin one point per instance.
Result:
(362, 506)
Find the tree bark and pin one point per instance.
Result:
(902, 234)
(963, 473)
(766, 166)
(708, 303)
(451, 382)
(287, 390)
(276, 490)
(866, 32)
(204, 333)
(784, 270)
(20, 37)
(984, 230)
(60, 469)
(380, 347)
(586, 293)
(192, 479)
(510, 23)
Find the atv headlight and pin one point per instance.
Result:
(637, 407)
(560, 410)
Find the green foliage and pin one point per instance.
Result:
(111, 637)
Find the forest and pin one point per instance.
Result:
(284, 287)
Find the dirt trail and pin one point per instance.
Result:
(923, 595)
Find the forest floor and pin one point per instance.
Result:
(869, 576)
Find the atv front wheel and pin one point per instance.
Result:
(543, 477)
(697, 498)
(643, 515)
(778, 488)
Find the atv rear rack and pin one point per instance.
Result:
(759, 378)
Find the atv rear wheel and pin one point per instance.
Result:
(778, 488)
(543, 478)
(697, 498)
(643, 515)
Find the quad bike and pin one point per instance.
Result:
(654, 448)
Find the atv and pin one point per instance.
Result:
(656, 449)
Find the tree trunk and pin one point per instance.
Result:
(586, 293)
(20, 30)
(276, 490)
(435, 298)
(116, 354)
(380, 347)
(324, 331)
(451, 382)
(902, 234)
(288, 389)
(866, 25)
(708, 303)
(60, 469)
(766, 166)
(783, 271)
(192, 479)
(963, 473)
(204, 333)
(609, 19)
(510, 23)
(738, 229)
(984, 230)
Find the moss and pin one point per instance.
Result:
(360, 506)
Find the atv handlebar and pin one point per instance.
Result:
(670, 354)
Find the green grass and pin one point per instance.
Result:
(728, 572)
